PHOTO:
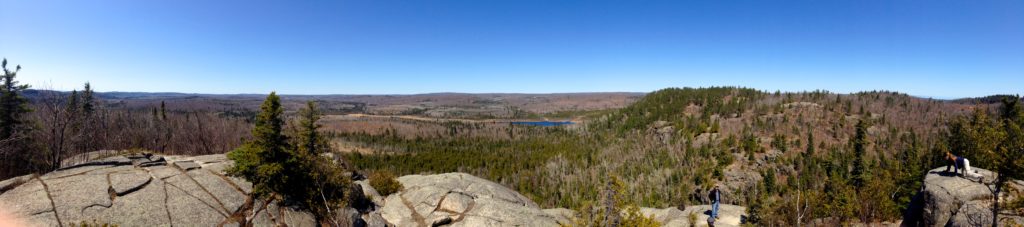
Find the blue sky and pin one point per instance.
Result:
(927, 48)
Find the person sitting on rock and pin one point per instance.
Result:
(959, 163)
(716, 198)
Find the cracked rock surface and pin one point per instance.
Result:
(140, 190)
(459, 199)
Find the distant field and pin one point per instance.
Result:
(436, 105)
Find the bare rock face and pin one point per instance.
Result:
(951, 200)
(728, 215)
(141, 190)
(459, 199)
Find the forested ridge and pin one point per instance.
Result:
(790, 157)
(852, 157)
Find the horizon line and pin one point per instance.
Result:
(948, 98)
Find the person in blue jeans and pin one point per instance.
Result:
(716, 198)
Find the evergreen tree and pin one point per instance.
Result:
(910, 171)
(310, 180)
(163, 108)
(72, 112)
(810, 143)
(840, 199)
(1011, 148)
(73, 104)
(978, 137)
(88, 102)
(13, 106)
(1009, 159)
(321, 184)
(859, 145)
(261, 160)
(310, 141)
(17, 144)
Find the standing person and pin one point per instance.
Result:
(959, 163)
(716, 198)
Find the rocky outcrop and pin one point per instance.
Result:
(459, 199)
(947, 199)
(142, 190)
(154, 190)
(728, 215)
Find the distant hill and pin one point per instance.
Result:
(449, 105)
(991, 99)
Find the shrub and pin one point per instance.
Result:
(385, 183)
(693, 219)
(633, 217)
(613, 210)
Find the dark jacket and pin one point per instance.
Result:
(715, 196)
(957, 164)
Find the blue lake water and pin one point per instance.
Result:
(542, 123)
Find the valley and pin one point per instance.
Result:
(665, 149)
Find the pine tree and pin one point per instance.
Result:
(323, 184)
(72, 112)
(911, 171)
(88, 102)
(310, 141)
(73, 104)
(810, 143)
(163, 109)
(1010, 150)
(859, 143)
(312, 181)
(13, 106)
(261, 160)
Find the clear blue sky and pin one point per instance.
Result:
(925, 48)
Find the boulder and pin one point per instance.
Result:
(947, 199)
(374, 219)
(369, 192)
(287, 215)
(459, 199)
(360, 200)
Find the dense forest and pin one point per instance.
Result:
(813, 155)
